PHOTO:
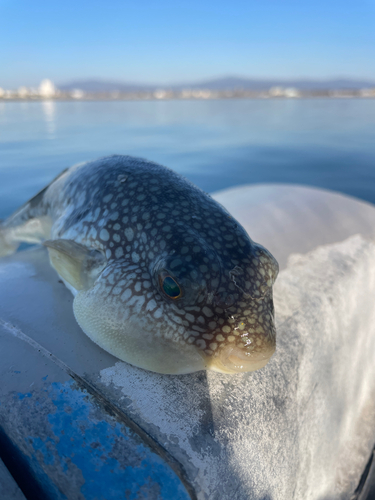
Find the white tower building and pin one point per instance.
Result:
(47, 88)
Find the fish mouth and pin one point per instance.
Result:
(233, 359)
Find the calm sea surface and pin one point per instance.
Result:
(216, 144)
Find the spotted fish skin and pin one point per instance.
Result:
(139, 223)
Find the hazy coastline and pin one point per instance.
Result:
(221, 88)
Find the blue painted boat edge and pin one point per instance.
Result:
(29, 469)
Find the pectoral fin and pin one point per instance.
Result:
(78, 265)
(6, 247)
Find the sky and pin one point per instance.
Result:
(149, 41)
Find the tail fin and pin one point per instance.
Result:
(7, 247)
(29, 223)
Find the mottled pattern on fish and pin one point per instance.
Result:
(153, 234)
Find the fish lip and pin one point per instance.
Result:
(232, 359)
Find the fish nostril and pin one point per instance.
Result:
(224, 301)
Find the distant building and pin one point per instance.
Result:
(202, 94)
(47, 89)
(276, 91)
(2, 92)
(9, 94)
(186, 93)
(23, 92)
(160, 94)
(367, 92)
(77, 94)
(291, 92)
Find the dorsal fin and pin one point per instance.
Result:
(36, 199)
(23, 212)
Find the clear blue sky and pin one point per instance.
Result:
(164, 41)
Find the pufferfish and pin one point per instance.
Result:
(162, 276)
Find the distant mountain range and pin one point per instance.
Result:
(106, 86)
(226, 83)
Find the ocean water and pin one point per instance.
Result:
(216, 144)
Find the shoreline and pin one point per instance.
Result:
(176, 98)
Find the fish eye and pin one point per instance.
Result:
(170, 286)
